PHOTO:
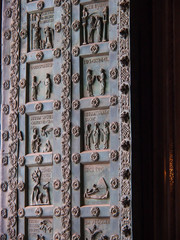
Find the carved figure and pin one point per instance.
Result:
(84, 24)
(36, 141)
(36, 177)
(105, 21)
(36, 36)
(93, 232)
(48, 147)
(35, 85)
(105, 134)
(47, 84)
(48, 37)
(46, 226)
(90, 81)
(88, 134)
(45, 130)
(47, 197)
(98, 191)
(92, 29)
(96, 136)
(99, 27)
(102, 80)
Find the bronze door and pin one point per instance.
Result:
(66, 140)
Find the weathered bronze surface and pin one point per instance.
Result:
(66, 138)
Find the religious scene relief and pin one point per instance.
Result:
(95, 23)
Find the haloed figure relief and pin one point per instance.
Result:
(36, 141)
(96, 135)
(39, 197)
(105, 134)
(88, 136)
(47, 84)
(35, 86)
(49, 37)
(90, 81)
(95, 25)
(102, 80)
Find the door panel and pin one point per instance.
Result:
(66, 149)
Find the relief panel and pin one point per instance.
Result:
(40, 190)
(40, 81)
(96, 129)
(40, 133)
(40, 228)
(95, 78)
(96, 228)
(96, 184)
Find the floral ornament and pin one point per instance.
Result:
(20, 236)
(38, 107)
(57, 105)
(76, 184)
(76, 211)
(124, 88)
(57, 132)
(114, 237)
(94, 48)
(57, 52)
(8, 12)
(76, 25)
(114, 211)
(126, 202)
(125, 116)
(95, 211)
(114, 73)
(6, 84)
(38, 211)
(114, 155)
(126, 174)
(57, 211)
(22, 109)
(5, 160)
(125, 145)
(22, 83)
(57, 184)
(57, 158)
(40, 5)
(5, 135)
(21, 186)
(114, 183)
(7, 60)
(75, 51)
(39, 159)
(23, 33)
(124, 5)
(21, 212)
(124, 61)
(75, 77)
(4, 213)
(95, 102)
(75, 104)
(4, 186)
(114, 100)
(76, 158)
(57, 236)
(57, 3)
(76, 131)
(124, 32)
(58, 27)
(66, 79)
(126, 231)
(23, 58)
(39, 55)
(114, 127)
(113, 19)
(5, 109)
(75, 236)
(113, 45)
(57, 79)
(3, 236)
(95, 156)
(75, 2)
(7, 34)
(21, 161)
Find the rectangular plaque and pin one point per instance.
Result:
(40, 191)
(40, 133)
(96, 129)
(39, 228)
(97, 227)
(95, 76)
(40, 81)
(96, 184)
